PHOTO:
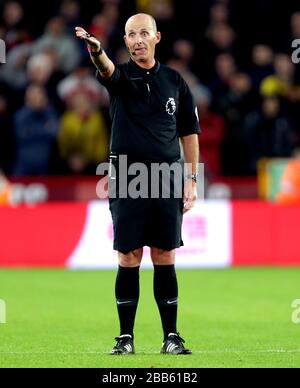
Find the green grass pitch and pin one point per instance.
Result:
(230, 318)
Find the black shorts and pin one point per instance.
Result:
(153, 222)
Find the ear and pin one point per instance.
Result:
(158, 37)
(125, 39)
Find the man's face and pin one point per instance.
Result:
(36, 98)
(141, 38)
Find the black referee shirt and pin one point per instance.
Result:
(150, 110)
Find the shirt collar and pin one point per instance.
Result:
(139, 70)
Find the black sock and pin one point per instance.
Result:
(166, 296)
(127, 296)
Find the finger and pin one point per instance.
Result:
(88, 38)
(80, 33)
(80, 29)
(188, 206)
(83, 34)
(185, 210)
(186, 197)
(188, 200)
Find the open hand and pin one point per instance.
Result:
(190, 196)
(92, 42)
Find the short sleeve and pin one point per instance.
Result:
(187, 119)
(112, 84)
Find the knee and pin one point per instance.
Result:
(131, 259)
(161, 257)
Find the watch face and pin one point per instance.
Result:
(193, 177)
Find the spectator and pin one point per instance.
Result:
(221, 40)
(105, 26)
(262, 64)
(6, 137)
(184, 54)
(66, 47)
(14, 72)
(290, 182)
(295, 25)
(282, 83)
(163, 11)
(235, 105)
(42, 69)
(295, 34)
(5, 191)
(184, 50)
(39, 68)
(225, 68)
(213, 47)
(69, 11)
(268, 133)
(35, 127)
(211, 138)
(160, 9)
(219, 14)
(238, 101)
(81, 80)
(83, 137)
(13, 23)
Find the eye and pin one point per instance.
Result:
(131, 35)
(145, 33)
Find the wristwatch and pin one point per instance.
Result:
(94, 53)
(194, 177)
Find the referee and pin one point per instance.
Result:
(151, 109)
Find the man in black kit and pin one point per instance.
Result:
(151, 109)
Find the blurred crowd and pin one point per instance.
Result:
(235, 55)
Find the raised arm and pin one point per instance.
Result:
(97, 54)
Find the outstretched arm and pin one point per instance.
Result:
(101, 61)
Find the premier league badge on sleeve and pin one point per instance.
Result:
(171, 106)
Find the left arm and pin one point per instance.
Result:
(191, 153)
(189, 129)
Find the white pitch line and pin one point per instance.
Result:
(225, 351)
(247, 351)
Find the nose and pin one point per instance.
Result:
(139, 39)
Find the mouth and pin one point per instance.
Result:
(141, 51)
